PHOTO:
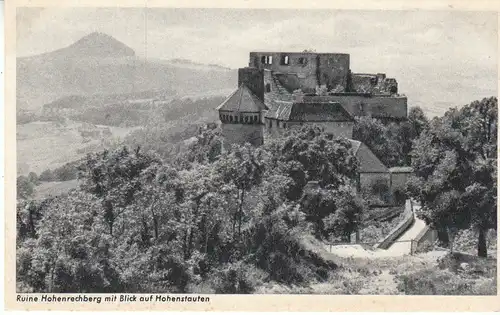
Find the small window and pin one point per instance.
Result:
(268, 87)
(236, 118)
(246, 119)
(231, 118)
(302, 61)
(255, 118)
(284, 125)
(285, 59)
(268, 60)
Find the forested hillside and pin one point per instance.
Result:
(211, 221)
(193, 217)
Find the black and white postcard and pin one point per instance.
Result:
(240, 155)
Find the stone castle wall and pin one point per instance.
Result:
(254, 79)
(375, 106)
(242, 133)
(305, 70)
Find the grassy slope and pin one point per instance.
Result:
(434, 271)
(43, 145)
(48, 189)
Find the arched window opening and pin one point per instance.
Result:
(231, 118)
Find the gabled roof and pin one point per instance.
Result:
(242, 100)
(368, 162)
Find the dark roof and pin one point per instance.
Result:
(242, 100)
(366, 104)
(307, 112)
(310, 112)
(368, 162)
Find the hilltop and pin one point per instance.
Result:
(100, 64)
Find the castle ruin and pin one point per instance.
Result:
(285, 90)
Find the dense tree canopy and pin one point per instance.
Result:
(137, 223)
(454, 161)
(391, 142)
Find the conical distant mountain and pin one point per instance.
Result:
(100, 45)
(100, 64)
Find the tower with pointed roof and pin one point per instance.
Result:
(241, 116)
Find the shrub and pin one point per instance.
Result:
(442, 282)
(399, 197)
(476, 266)
(46, 176)
(33, 178)
(66, 172)
(25, 188)
(236, 278)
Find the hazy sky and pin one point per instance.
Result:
(439, 58)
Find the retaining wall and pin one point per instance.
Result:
(407, 222)
(427, 235)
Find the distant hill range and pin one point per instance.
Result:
(100, 64)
